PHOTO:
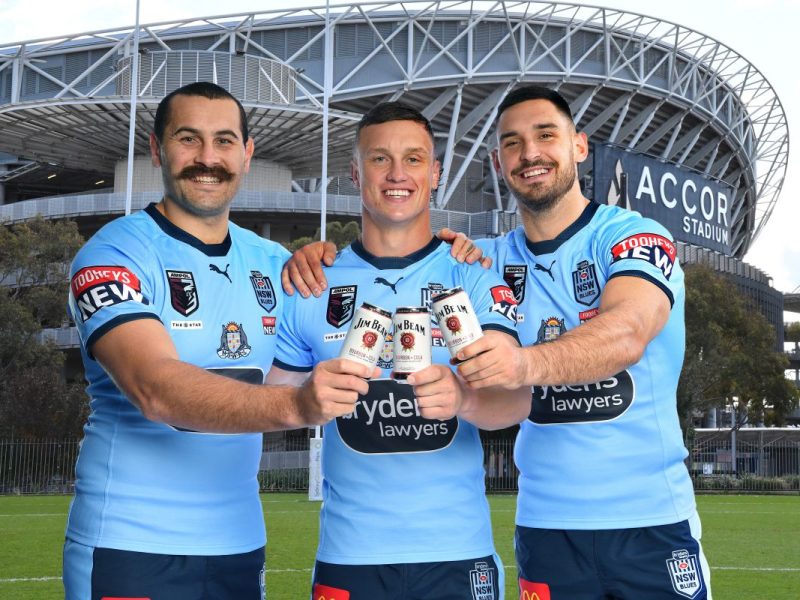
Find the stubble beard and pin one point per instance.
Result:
(540, 199)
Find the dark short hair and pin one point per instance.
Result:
(385, 112)
(206, 89)
(536, 92)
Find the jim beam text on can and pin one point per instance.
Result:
(457, 319)
(366, 336)
(412, 340)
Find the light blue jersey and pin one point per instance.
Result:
(145, 486)
(609, 454)
(397, 488)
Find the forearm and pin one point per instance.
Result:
(595, 350)
(186, 396)
(495, 408)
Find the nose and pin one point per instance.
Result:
(531, 150)
(207, 154)
(396, 173)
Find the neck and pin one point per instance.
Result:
(541, 226)
(394, 241)
(210, 229)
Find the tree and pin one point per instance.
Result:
(730, 352)
(340, 234)
(35, 399)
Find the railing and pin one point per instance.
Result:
(33, 466)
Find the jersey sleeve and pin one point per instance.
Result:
(292, 353)
(109, 286)
(491, 298)
(642, 247)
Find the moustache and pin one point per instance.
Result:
(200, 171)
(531, 164)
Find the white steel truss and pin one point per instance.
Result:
(641, 83)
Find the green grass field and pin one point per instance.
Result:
(752, 544)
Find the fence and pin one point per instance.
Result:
(746, 461)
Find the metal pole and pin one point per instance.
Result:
(132, 128)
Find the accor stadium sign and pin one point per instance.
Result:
(694, 208)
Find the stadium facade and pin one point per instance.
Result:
(682, 127)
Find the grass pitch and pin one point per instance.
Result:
(752, 544)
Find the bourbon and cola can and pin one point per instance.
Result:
(365, 339)
(412, 340)
(457, 319)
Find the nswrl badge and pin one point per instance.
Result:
(684, 573)
(482, 580)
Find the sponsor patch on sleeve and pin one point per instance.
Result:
(503, 302)
(98, 287)
(651, 247)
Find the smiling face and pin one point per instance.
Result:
(202, 154)
(537, 152)
(396, 170)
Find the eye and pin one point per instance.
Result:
(224, 141)
(510, 143)
(187, 139)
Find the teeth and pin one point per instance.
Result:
(535, 172)
(206, 179)
(397, 193)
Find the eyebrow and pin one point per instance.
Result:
(538, 126)
(194, 131)
(418, 149)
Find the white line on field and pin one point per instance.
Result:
(62, 514)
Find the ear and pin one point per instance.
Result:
(155, 151)
(437, 174)
(354, 174)
(580, 146)
(496, 162)
(249, 148)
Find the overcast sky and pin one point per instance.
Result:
(760, 30)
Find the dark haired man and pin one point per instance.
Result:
(177, 309)
(605, 507)
(404, 515)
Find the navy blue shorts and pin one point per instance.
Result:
(104, 573)
(474, 579)
(664, 562)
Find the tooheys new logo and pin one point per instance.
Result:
(591, 402)
(387, 420)
(650, 247)
(94, 288)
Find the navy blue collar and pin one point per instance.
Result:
(550, 246)
(395, 262)
(179, 234)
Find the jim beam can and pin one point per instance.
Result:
(412, 340)
(457, 319)
(365, 339)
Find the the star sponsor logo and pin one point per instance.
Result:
(190, 325)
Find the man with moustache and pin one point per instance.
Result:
(177, 310)
(606, 507)
(404, 513)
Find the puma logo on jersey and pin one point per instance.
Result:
(387, 283)
(549, 271)
(216, 269)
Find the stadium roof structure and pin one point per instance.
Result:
(634, 81)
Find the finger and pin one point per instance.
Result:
(328, 256)
(297, 279)
(308, 272)
(446, 234)
(486, 262)
(286, 282)
(467, 248)
(426, 375)
(474, 255)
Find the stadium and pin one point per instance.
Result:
(682, 127)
